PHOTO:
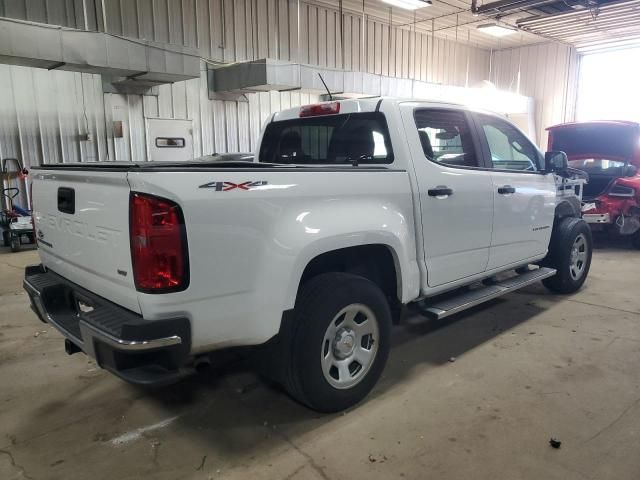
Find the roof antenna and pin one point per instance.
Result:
(325, 87)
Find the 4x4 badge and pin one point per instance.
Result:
(226, 186)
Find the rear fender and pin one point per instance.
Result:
(324, 230)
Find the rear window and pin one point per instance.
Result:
(328, 140)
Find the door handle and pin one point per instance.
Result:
(441, 191)
(506, 190)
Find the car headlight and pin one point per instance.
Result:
(622, 191)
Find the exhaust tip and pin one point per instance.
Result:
(202, 364)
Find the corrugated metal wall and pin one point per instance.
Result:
(237, 30)
(223, 31)
(547, 72)
(218, 126)
(68, 13)
(43, 114)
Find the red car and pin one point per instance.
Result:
(609, 151)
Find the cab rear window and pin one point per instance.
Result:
(361, 138)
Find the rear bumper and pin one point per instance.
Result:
(147, 352)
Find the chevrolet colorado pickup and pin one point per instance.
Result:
(349, 211)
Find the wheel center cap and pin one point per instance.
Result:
(344, 343)
(574, 255)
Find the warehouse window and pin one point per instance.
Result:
(608, 86)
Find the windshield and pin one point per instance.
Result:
(599, 166)
(360, 138)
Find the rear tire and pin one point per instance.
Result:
(570, 252)
(339, 342)
(635, 240)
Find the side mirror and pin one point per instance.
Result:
(556, 162)
(630, 171)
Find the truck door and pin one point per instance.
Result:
(524, 197)
(455, 192)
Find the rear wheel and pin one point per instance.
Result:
(635, 240)
(570, 252)
(339, 343)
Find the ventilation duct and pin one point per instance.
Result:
(127, 61)
(232, 82)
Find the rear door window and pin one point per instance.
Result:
(446, 138)
(361, 138)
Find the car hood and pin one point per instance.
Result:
(609, 140)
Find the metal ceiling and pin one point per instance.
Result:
(590, 29)
(543, 7)
(588, 25)
(450, 19)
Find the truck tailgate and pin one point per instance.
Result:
(82, 223)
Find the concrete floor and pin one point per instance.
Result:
(527, 367)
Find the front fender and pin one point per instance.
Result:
(568, 207)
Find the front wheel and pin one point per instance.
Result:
(570, 252)
(340, 341)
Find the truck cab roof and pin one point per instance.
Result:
(357, 105)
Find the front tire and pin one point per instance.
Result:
(570, 252)
(635, 240)
(339, 343)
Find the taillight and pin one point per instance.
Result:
(618, 190)
(318, 109)
(158, 244)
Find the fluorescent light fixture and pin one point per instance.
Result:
(409, 4)
(496, 30)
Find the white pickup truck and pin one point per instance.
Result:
(349, 211)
